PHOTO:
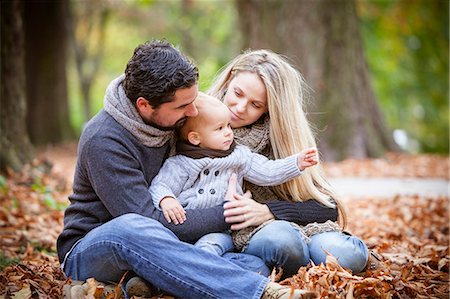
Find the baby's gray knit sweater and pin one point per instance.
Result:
(202, 183)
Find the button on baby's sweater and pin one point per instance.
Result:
(206, 172)
(200, 191)
(212, 191)
(216, 173)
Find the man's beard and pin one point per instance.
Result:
(177, 125)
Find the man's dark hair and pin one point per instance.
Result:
(156, 71)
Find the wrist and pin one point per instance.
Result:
(164, 200)
(299, 162)
(268, 214)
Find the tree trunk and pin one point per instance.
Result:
(45, 62)
(15, 147)
(322, 38)
(87, 30)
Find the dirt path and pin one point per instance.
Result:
(388, 187)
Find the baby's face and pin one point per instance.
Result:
(215, 131)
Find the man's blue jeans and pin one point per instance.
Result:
(280, 244)
(135, 243)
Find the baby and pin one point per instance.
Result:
(198, 175)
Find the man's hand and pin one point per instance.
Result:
(172, 210)
(307, 158)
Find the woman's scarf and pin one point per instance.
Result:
(255, 136)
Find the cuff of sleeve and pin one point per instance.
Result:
(292, 170)
(158, 196)
(283, 210)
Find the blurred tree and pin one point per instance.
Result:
(187, 9)
(15, 146)
(206, 31)
(87, 28)
(407, 45)
(45, 68)
(323, 39)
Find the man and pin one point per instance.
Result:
(111, 225)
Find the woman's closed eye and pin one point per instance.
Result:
(256, 105)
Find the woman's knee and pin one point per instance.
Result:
(280, 239)
(350, 251)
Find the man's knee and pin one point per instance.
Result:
(129, 225)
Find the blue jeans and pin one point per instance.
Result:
(217, 243)
(135, 243)
(281, 245)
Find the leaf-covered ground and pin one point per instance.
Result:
(411, 234)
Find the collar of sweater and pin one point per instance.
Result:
(196, 152)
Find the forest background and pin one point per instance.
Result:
(378, 70)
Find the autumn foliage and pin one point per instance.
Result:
(410, 233)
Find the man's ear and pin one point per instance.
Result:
(143, 105)
(193, 138)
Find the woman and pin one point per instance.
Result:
(265, 95)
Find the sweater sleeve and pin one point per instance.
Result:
(168, 182)
(264, 172)
(302, 213)
(117, 177)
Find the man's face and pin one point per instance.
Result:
(171, 115)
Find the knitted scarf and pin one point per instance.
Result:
(255, 136)
(125, 113)
(196, 152)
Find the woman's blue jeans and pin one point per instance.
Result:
(281, 245)
(217, 243)
(135, 243)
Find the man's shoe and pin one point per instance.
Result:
(138, 287)
(274, 290)
(374, 262)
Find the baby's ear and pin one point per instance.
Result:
(193, 137)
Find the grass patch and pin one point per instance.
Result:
(6, 261)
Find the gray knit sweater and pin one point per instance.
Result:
(202, 183)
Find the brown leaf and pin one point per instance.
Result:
(24, 293)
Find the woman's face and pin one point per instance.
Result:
(246, 97)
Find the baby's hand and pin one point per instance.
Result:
(307, 158)
(172, 210)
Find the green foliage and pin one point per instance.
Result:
(6, 261)
(204, 30)
(407, 44)
(47, 196)
(3, 185)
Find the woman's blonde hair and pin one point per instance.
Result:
(290, 131)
